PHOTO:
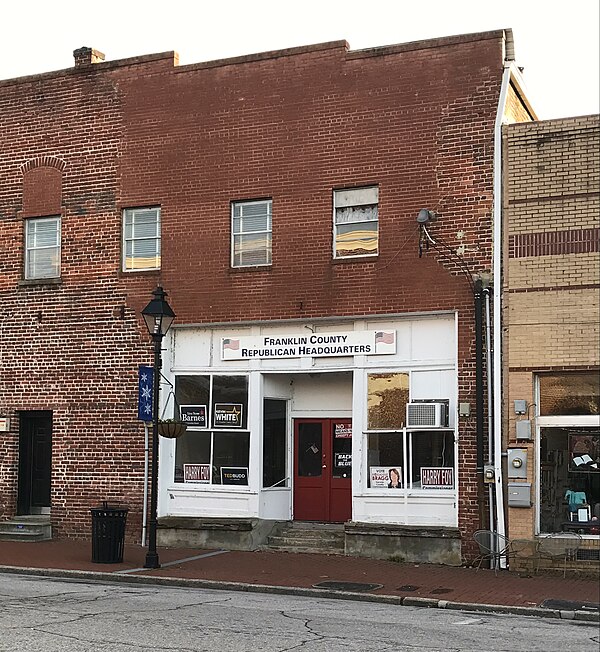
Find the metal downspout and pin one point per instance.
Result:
(489, 380)
(479, 401)
(497, 316)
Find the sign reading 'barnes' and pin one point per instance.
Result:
(193, 415)
(316, 345)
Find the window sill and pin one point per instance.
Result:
(354, 259)
(250, 268)
(34, 282)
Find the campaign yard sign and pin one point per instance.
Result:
(234, 475)
(198, 473)
(380, 476)
(228, 415)
(437, 477)
(193, 415)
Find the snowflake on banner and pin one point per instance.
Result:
(146, 392)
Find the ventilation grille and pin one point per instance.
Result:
(426, 415)
(588, 554)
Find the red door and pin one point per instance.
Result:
(323, 470)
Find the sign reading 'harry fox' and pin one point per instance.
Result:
(315, 345)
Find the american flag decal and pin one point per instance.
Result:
(228, 343)
(384, 338)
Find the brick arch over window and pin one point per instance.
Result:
(42, 186)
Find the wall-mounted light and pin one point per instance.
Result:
(425, 216)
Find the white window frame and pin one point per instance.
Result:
(130, 212)
(405, 435)
(55, 247)
(354, 198)
(557, 421)
(268, 233)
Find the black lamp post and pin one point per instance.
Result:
(158, 316)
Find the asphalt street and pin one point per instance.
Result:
(57, 615)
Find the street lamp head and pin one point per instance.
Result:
(158, 314)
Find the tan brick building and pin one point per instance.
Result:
(551, 327)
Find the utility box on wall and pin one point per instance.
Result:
(517, 463)
(519, 494)
(523, 430)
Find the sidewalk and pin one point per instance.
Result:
(409, 584)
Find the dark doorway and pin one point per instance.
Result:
(35, 462)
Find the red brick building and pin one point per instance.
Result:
(275, 197)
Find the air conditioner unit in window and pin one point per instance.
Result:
(427, 415)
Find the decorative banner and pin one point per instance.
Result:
(389, 477)
(198, 473)
(193, 415)
(228, 414)
(235, 475)
(342, 430)
(315, 345)
(145, 387)
(437, 477)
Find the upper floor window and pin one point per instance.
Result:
(251, 233)
(141, 239)
(356, 222)
(42, 247)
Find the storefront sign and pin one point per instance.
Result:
(314, 345)
(198, 473)
(437, 477)
(193, 415)
(237, 475)
(389, 477)
(228, 414)
(342, 430)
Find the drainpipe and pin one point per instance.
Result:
(489, 381)
(479, 400)
(497, 275)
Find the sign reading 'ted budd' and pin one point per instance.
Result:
(228, 414)
(313, 345)
(193, 415)
(234, 475)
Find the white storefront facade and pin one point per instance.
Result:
(308, 421)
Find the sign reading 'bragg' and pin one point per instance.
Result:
(316, 345)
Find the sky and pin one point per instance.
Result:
(556, 42)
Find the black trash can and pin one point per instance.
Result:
(108, 533)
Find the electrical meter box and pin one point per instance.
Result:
(519, 494)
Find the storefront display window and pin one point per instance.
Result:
(217, 452)
(432, 459)
(570, 480)
(387, 396)
(385, 460)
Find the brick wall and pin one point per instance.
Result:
(415, 119)
(551, 281)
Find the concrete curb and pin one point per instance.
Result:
(407, 601)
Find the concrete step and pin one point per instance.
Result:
(313, 541)
(323, 538)
(26, 528)
(303, 549)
